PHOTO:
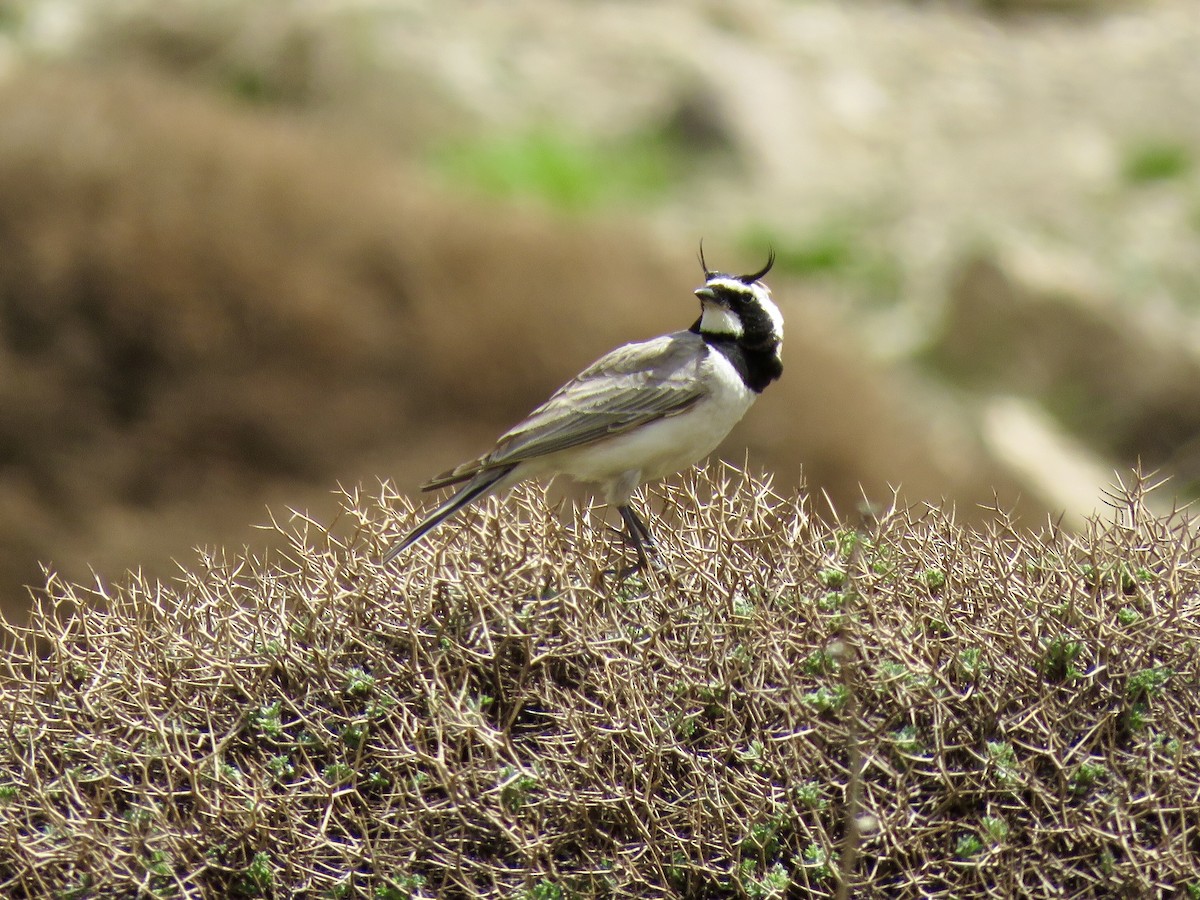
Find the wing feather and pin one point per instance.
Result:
(629, 387)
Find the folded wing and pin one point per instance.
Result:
(629, 387)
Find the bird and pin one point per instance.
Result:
(641, 412)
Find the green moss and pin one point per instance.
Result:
(515, 788)
(907, 741)
(819, 862)
(935, 579)
(258, 878)
(810, 795)
(544, 890)
(358, 682)
(1085, 777)
(968, 845)
(827, 698)
(995, 829)
(1148, 683)
(1061, 655)
(832, 578)
(267, 720)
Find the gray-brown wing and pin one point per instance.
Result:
(630, 386)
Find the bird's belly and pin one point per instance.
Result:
(660, 448)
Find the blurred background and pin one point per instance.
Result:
(250, 251)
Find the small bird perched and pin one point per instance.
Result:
(642, 412)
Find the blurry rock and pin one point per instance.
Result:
(1129, 391)
(1057, 468)
(698, 123)
(1077, 7)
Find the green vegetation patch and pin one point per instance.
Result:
(1156, 160)
(844, 249)
(564, 172)
(480, 719)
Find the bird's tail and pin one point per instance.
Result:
(479, 486)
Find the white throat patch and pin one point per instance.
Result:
(716, 319)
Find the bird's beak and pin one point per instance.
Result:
(707, 293)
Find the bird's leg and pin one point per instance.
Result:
(636, 523)
(639, 535)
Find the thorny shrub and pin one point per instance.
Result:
(791, 701)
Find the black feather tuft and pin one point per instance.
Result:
(708, 273)
(750, 279)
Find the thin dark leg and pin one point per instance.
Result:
(635, 521)
(638, 535)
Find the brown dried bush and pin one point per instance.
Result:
(991, 713)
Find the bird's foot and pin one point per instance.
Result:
(648, 557)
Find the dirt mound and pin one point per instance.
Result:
(205, 309)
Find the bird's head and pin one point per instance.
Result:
(739, 307)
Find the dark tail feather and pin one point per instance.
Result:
(477, 487)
